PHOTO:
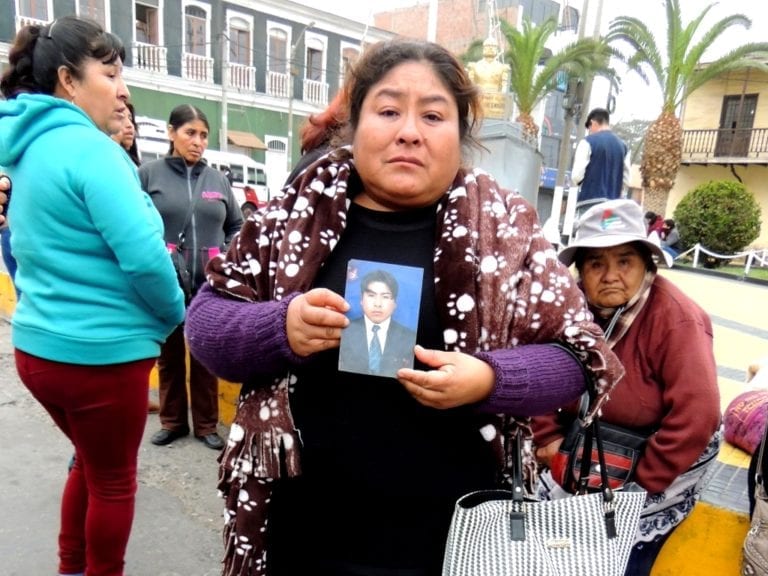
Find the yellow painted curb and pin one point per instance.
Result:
(707, 543)
(7, 295)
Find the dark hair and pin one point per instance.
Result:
(133, 151)
(599, 115)
(670, 223)
(39, 51)
(645, 253)
(650, 215)
(380, 276)
(182, 114)
(379, 59)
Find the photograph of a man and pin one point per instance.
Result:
(375, 343)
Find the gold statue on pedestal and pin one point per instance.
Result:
(492, 77)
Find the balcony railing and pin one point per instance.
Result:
(277, 84)
(315, 92)
(242, 77)
(197, 68)
(22, 21)
(150, 57)
(743, 145)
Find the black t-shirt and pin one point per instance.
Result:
(381, 472)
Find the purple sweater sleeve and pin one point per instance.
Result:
(235, 339)
(532, 380)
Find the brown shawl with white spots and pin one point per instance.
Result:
(498, 283)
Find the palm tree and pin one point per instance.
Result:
(679, 72)
(535, 69)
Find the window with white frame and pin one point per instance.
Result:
(277, 49)
(239, 41)
(37, 9)
(349, 55)
(147, 27)
(276, 144)
(315, 58)
(95, 10)
(195, 30)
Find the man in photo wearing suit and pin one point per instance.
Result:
(375, 343)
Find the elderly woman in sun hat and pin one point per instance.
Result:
(664, 340)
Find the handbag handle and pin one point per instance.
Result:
(517, 513)
(592, 432)
(609, 509)
(761, 459)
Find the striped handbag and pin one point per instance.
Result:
(754, 560)
(503, 533)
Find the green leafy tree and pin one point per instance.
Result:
(678, 71)
(535, 68)
(721, 215)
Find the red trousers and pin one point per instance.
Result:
(102, 410)
(203, 389)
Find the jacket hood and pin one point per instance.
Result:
(27, 116)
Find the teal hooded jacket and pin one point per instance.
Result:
(97, 284)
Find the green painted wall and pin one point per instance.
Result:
(243, 118)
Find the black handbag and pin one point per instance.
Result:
(754, 560)
(623, 449)
(176, 252)
(623, 446)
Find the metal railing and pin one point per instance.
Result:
(752, 257)
(711, 145)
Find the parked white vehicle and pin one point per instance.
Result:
(248, 177)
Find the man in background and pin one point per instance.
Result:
(601, 163)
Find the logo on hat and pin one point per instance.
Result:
(611, 222)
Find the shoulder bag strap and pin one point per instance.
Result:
(188, 218)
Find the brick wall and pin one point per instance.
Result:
(458, 22)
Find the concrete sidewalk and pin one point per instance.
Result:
(739, 313)
(177, 527)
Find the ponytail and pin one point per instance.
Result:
(39, 51)
(20, 76)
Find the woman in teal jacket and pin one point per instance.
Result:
(100, 293)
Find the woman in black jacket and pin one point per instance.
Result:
(201, 216)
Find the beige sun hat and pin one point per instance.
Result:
(609, 224)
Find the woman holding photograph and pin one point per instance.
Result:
(383, 460)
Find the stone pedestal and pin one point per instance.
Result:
(514, 162)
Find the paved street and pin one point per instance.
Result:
(177, 526)
(176, 530)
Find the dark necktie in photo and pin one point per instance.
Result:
(374, 352)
